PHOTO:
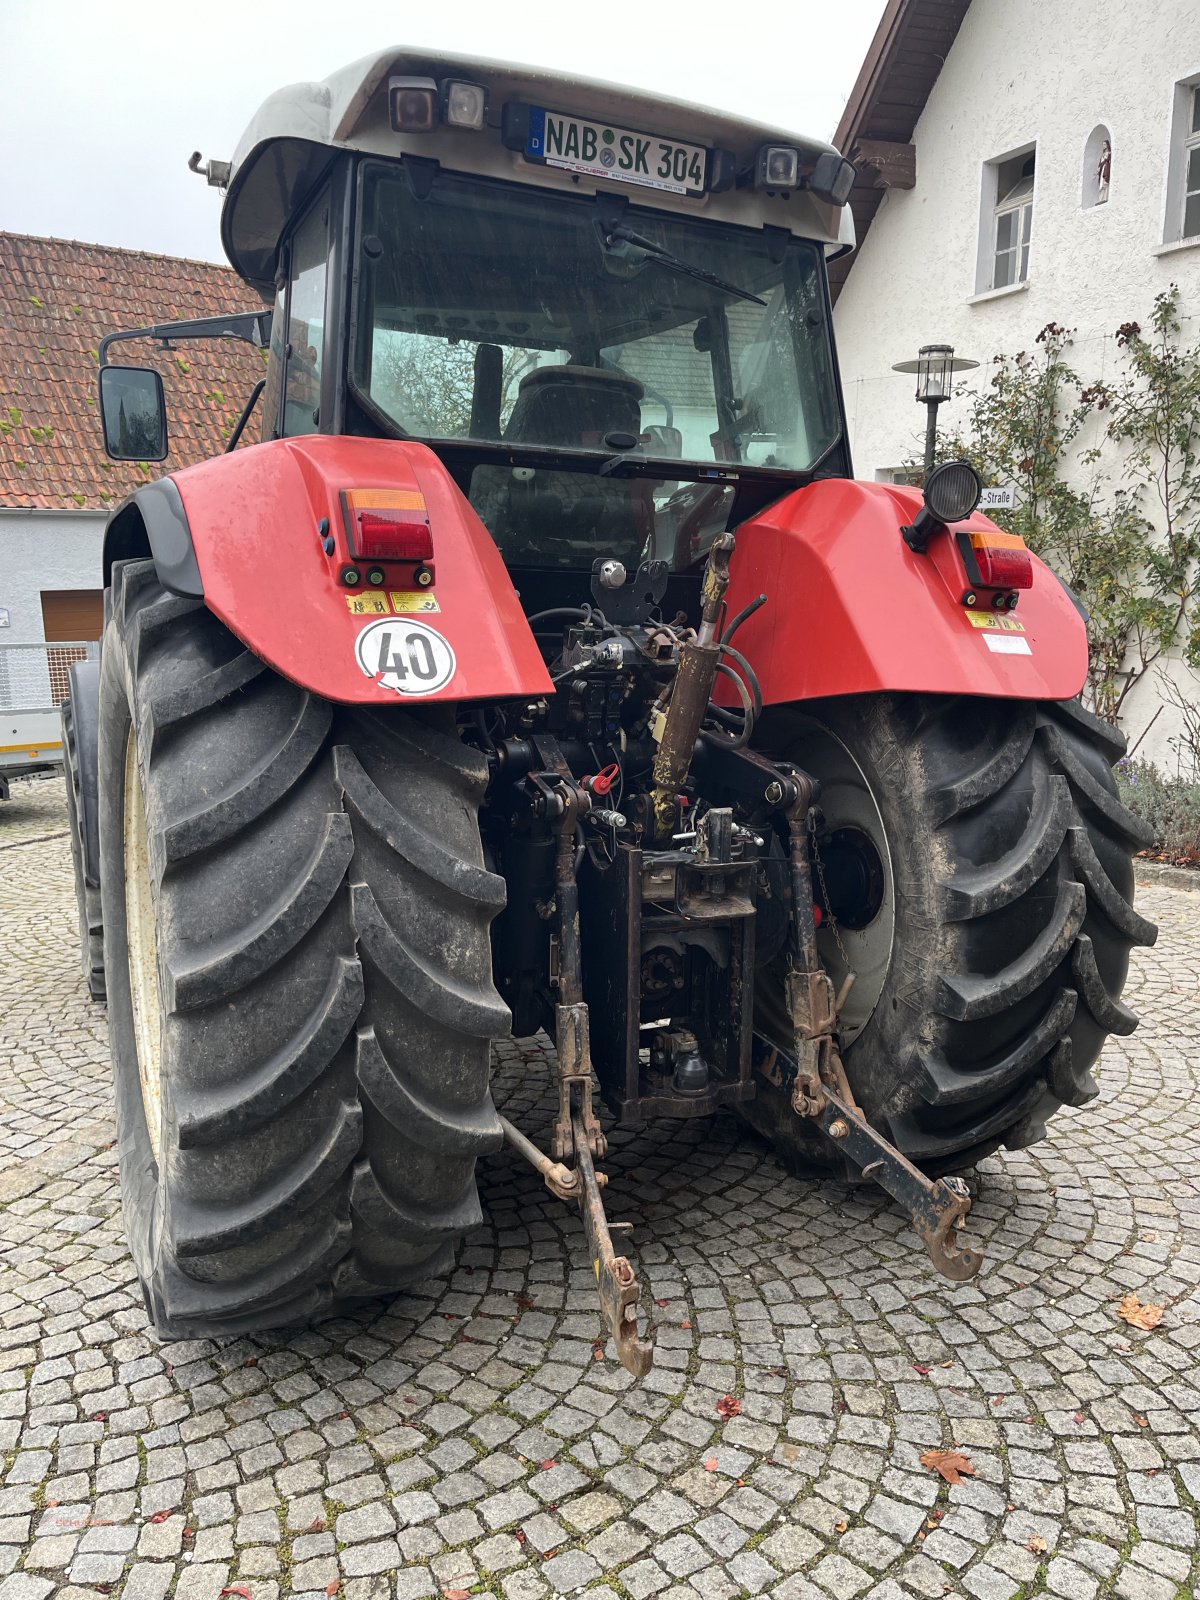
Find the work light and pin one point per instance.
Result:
(412, 104)
(778, 167)
(464, 105)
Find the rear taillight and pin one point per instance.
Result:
(393, 536)
(388, 525)
(996, 560)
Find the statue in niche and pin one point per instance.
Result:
(1103, 172)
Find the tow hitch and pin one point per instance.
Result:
(822, 1092)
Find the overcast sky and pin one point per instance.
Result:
(101, 101)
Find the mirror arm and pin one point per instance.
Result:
(247, 411)
(252, 326)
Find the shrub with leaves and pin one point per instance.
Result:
(1119, 520)
(1170, 805)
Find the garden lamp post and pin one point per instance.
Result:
(935, 367)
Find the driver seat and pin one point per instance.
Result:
(549, 517)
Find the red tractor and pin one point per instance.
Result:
(545, 667)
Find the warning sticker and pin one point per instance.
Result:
(375, 603)
(995, 619)
(410, 657)
(368, 605)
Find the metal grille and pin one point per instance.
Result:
(33, 677)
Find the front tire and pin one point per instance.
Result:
(299, 975)
(89, 917)
(985, 866)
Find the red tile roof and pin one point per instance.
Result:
(58, 299)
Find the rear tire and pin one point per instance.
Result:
(299, 972)
(87, 895)
(999, 947)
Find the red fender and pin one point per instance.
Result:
(852, 610)
(253, 517)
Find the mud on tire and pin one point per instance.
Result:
(323, 977)
(1010, 882)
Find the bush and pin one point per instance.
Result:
(1171, 806)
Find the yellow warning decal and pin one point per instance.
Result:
(367, 605)
(994, 619)
(414, 600)
(374, 603)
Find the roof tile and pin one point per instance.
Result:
(58, 299)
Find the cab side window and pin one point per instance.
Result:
(308, 261)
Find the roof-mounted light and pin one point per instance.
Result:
(778, 167)
(464, 105)
(412, 104)
(832, 178)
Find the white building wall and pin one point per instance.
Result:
(41, 550)
(1023, 72)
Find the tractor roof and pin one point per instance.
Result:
(300, 125)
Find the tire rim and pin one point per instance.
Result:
(856, 837)
(142, 947)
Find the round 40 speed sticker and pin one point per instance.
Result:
(410, 657)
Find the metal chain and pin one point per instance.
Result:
(820, 865)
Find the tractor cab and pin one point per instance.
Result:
(606, 311)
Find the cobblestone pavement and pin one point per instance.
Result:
(471, 1436)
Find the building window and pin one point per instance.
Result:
(1014, 221)
(1191, 170)
(1183, 172)
(1097, 167)
(1005, 221)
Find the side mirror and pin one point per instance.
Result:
(133, 413)
(663, 441)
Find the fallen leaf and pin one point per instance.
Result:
(251, 1361)
(661, 1303)
(457, 1594)
(1036, 1545)
(999, 1400)
(243, 1589)
(519, 1536)
(189, 1533)
(930, 1523)
(791, 1452)
(161, 1516)
(840, 1527)
(597, 1352)
(343, 1416)
(526, 1302)
(317, 1525)
(1132, 1310)
(950, 1464)
(1080, 1418)
(546, 1465)
(728, 1406)
(924, 1371)
(333, 1587)
(99, 1416)
(686, 1323)
(451, 1316)
(947, 1363)
(711, 1464)
(1141, 1422)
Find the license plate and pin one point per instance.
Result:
(602, 151)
